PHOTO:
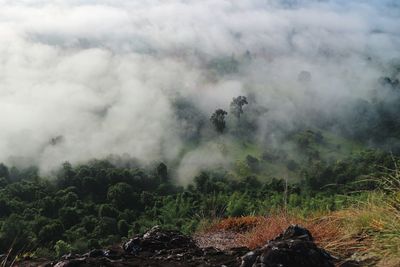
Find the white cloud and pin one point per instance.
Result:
(101, 73)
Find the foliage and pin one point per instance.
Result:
(218, 120)
(62, 248)
(236, 106)
(95, 204)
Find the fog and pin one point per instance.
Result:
(85, 79)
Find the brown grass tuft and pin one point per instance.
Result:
(268, 228)
(235, 224)
(368, 230)
(327, 231)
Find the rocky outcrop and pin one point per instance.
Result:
(293, 248)
(157, 247)
(156, 239)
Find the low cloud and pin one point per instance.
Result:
(103, 75)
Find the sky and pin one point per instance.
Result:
(82, 79)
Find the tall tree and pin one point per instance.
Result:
(162, 172)
(237, 105)
(4, 171)
(218, 120)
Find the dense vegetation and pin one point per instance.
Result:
(98, 203)
(213, 112)
(101, 202)
(314, 166)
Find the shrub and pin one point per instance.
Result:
(62, 248)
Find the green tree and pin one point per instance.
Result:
(69, 216)
(218, 120)
(14, 233)
(121, 195)
(162, 172)
(123, 228)
(106, 226)
(107, 210)
(236, 106)
(4, 171)
(51, 232)
(61, 247)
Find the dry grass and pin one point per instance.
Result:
(369, 229)
(327, 230)
(235, 224)
(268, 228)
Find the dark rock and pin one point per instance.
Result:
(158, 239)
(250, 258)
(133, 246)
(295, 232)
(95, 253)
(111, 254)
(70, 263)
(70, 256)
(350, 263)
(292, 248)
(158, 247)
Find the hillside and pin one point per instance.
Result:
(296, 152)
(97, 204)
(200, 133)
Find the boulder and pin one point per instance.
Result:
(295, 247)
(157, 247)
(166, 248)
(158, 239)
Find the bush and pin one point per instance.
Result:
(51, 232)
(123, 228)
(62, 248)
(107, 210)
(69, 217)
(121, 196)
(237, 206)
